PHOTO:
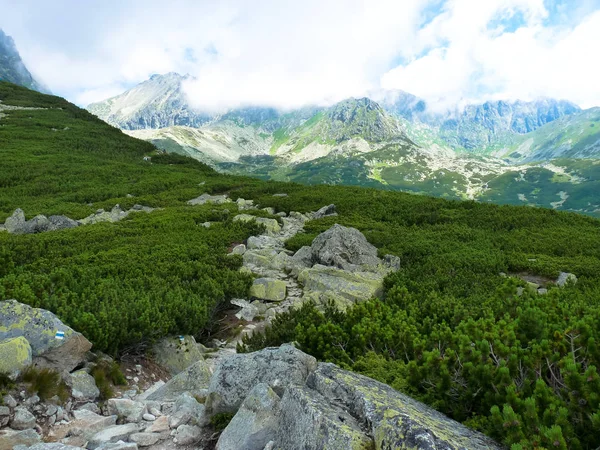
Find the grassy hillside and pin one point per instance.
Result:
(451, 330)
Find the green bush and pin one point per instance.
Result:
(45, 383)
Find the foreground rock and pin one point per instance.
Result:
(194, 380)
(11, 438)
(320, 406)
(53, 344)
(237, 375)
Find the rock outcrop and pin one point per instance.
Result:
(207, 198)
(53, 343)
(16, 223)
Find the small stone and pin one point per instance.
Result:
(159, 425)
(136, 380)
(188, 434)
(23, 419)
(149, 417)
(138, 368)
(155, 412)
(145, 439)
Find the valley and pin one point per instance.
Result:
(520, 153)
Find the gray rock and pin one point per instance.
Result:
(262, 241)
(112, 435)
(159, 425)
(344, 248)
(325, 211)
(15, 223)
(304, 256)
(83, 386)
(194, 380)
(248, 311)
(564, 278)
(308, 421)
(39, 327)
(542, 291)
(149, 417)
(119, 445)
(89, 407)
(176, 355)
(145, 439)
(392, 262)
(268, 289)
(126, 409)
(53, 446)
(188, 434)
(187, 411)
(269, 210)
(207, 198)
(22, 419)
(4, 411)
(9, 401)
(280, 195)
(11, 438)
(15, 355)
(238, 249)
(235, 376)
(61, 223)
(90, 422)
(255, 423)
(395, 420)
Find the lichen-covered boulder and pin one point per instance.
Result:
(255, 423)
(176, 353)
(308, 421)
(194, 380)
(207, 198)
(15, 355)
(83, 386)
(268, 289)
(236, 375)
(53, 344)
(322, 284)
(395, 420)
(271, 225)
(345, 248)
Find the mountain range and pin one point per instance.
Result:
(12, 68)
(540, 153)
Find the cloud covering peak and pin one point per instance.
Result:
(287, 53)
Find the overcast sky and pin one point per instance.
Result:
(287, 53)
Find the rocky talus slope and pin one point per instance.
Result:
(276, 398)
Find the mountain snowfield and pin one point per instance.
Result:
(529, 153)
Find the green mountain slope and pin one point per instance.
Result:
(573, 136)
(451, 331)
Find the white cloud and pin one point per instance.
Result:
(288, 53)
(473, 62)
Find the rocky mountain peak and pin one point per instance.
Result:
(12, 68)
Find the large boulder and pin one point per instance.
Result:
(268, 289)
(323, 284)
(194, 380)
(255, 423)
(394, 420)
(11, 438)
(345, 248)
(187, 411)
(15, 355)
(236, 375)
(176, 354)
(53, 344)
(308, 421)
